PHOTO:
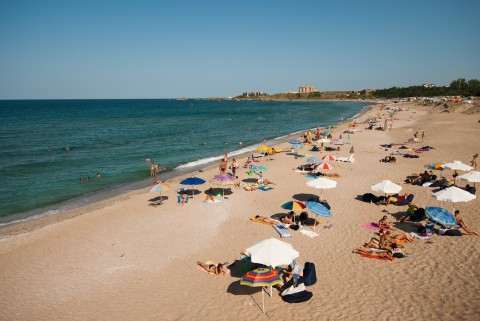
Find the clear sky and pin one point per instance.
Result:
(169, 49)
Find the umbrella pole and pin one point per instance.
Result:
(315, 224)
(263, 302)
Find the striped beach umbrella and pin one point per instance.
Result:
(293, 206)
(159, 188)
(329, 158)
(224, 180)
(324, 166)
(261, 277)
(319, 209)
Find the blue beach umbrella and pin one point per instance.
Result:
(440, 216)
(319, 209)
(314, 160)
(192, 181)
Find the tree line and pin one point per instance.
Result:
(459, 87)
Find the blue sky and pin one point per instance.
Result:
(169, 49)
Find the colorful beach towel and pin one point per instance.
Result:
(372, 226)
(376, 257)
(271, 223)
(265, 188)
(216, 200)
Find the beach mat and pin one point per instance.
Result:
(254, 219)
(282, 230)
(265, 188)
(372, 226)
(376, 257)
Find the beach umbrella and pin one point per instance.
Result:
(223, 180)
(322, 183)
(314, 160)
(454, 194)
(329, 157)
(457, 165)
(323, 140)
(159, 188)
(192, 181)
(261, 277)
(324, 166)
(264, 149)
(472, 177)
(319, 209)
(272, 252)
(440, 216)
(386, 187)
(293, 206)
(326, 133)
(259, 168)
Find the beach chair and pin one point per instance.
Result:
(348, 159)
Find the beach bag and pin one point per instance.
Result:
(309, 274)
(294, 227)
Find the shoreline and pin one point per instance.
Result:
(34, 222)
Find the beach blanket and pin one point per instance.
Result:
(376, 257)
(265, 188)
(282, 230)
(224, 269)
(216, 200)
(418, 236)
(272, 223)
(372, 226)
(308, 233)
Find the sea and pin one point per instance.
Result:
(47, 146)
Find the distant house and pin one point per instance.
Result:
(428, 85)
(307, 89)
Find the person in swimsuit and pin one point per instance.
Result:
(212, 268)
(462, 226)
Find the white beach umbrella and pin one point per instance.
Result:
(458, 165)
(387, 187)
(272, 252)
(472, 177)
(454, 194)
(324, 140)
(322, 183)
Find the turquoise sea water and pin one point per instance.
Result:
(115, 137)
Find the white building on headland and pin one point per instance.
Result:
(429, 85)
(307, 89)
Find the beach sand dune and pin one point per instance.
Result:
(125, 260)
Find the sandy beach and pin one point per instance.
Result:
(121, 259)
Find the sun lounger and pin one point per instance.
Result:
(349, 159)
(282, 230)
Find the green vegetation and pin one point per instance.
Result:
(459, 87)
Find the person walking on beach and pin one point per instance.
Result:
(473, 162)
(423, 135)
(234, 166)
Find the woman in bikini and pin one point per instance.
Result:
(212, 268)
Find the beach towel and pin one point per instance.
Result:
(224, 269)
(273, 223)
(265, 188)
(216, 200)
(308, 233)
(418, 236)
(282, 230)
(372, 226)
(376, 257)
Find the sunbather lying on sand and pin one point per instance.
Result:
(268, 220)
(396, 199)
(213, 269)
(365, 250)
(288, 219)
